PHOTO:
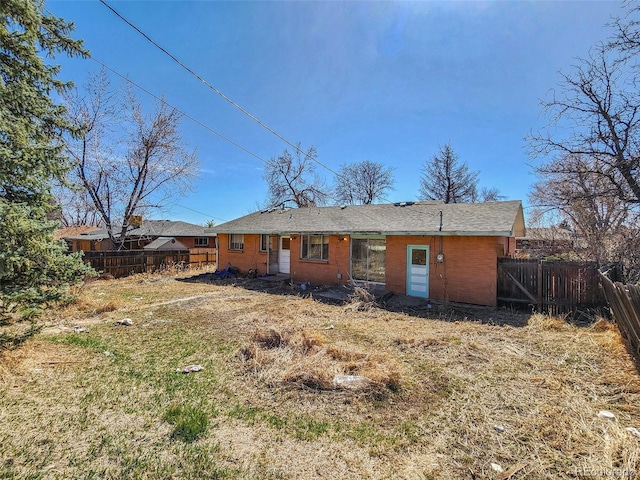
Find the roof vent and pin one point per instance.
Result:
(343, 207)
(403, 204)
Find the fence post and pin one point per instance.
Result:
(540, 286)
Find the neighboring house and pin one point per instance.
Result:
(188, 235)
(424, 249)
(545, 242)
(84, 238)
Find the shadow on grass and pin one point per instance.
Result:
(383, 299)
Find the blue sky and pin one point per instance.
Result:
(388, 82)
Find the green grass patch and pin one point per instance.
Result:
(242, 412)
(189, 422)
(83, 340)
(309, 429)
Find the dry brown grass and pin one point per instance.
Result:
(300, 357)
(445, 399)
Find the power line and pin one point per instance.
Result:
(214, 89)
(201, 213)
(193, 119)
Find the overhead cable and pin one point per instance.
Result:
(213, 88)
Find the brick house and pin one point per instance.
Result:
(187, 235)
(424, 249)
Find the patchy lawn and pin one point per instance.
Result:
(291, 388)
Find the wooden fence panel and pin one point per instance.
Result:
(551, 287)
(201, 257)
(129, 262)
(624, 302)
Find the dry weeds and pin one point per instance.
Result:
(445, 399)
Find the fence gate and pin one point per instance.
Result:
(550, 287)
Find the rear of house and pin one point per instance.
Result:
(424, 249)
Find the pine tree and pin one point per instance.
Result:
(34, 268)
(445, 179)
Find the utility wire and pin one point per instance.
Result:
(193, 119)
(221, 94)
(190, 117)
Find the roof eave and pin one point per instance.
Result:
(431, 233)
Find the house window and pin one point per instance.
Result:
(236, 241)
(201, 241)
(315, 247)
(264, 243)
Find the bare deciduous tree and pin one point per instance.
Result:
(127, 162)
(590, 149)
(600, 105)
(362, 183)
(488, 195)
(569, 188)
(76, 207)
(445, 178)
(291, 179)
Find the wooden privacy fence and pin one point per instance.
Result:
(624, 302)
(128, 262)
(551, 287)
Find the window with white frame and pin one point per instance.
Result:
(264, 243)
(236, 241)
(315, 247)
(201, 241)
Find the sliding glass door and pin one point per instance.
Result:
(368, 259)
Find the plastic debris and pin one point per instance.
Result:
(606, 414)
(125, 321)
(633, 431)
(107, 353)
(498, 428)
(497, 468)
(80, 329)
(351, 381)
(190, 368)
(330, 327)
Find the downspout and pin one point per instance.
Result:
(217, 249)
(268, 249)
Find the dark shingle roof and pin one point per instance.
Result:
(494, 218)
(151, 228)
(168, 228)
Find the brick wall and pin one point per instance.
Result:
(249, 258)
(190, 242)
(468, 273)
(321, 272)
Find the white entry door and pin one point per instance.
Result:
(418, 271)
(284, 255)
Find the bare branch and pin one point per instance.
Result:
(363, 183)
(128, 170)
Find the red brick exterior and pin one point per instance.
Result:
(250, 258)
(322, 272)
(468, 273)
